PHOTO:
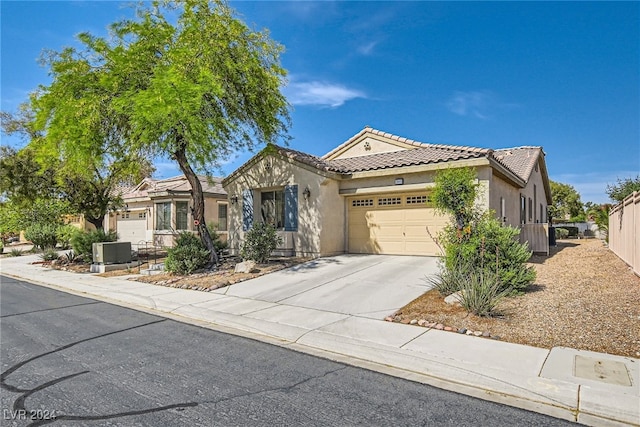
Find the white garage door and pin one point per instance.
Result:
(132, 227)
(393, 224)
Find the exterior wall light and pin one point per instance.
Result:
(234, 199)
(306, 193)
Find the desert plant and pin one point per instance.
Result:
(71, 257)
(482, 293)
(188, 254)
(49, 254)
(82, 242)
(448, 281)
(16, 252)
(64, 235)
(259, 242)
(42, 235)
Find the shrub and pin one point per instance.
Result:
(259, 242)
(187, 256)
(487, 245)
(448, 281)
(562, 233)
(16, 252)
(42, 235)
(49, 254)
(65, 233)
(71, 257)
(82, 241)
(482, 293)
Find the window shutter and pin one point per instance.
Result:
(247, 209)
(291, 208)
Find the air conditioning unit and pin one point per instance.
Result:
(111, 252)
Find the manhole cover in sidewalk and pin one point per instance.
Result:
(606, 371)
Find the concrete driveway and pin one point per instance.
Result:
(371, 286)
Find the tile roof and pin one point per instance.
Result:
(178, 184)
(520, 160)
(424, 154)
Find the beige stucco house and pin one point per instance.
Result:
(371, 194)
(155, 210)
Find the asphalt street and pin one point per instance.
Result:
(68, 360)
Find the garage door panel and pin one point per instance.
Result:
(399, 229)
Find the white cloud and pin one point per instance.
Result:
(367, 49)
(469, 103)
(320, 93)
(481, 104)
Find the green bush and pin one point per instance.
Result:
(42, 235)
(562, 233)
(49, 254)
(487, 245)
(482, 292)
(82, 242)
(259, 242)
(187, 256)
(64, 234)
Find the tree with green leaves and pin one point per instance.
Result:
(455, 193)
(623, 188)
(566, 202)
(196, 91)
(26, 176)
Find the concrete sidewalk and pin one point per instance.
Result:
(591, 388)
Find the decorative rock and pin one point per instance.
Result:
(454, 298)
(462, 330)
(397, 318)
(405, 321)
(439, 326)
(477, 334)
(448, 328)
(486, 334)
(422, 322)
(244, 267)
(413, 322)
(469, 332)
(431, 325)
(388, 319)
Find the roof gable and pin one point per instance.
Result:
(370, 141)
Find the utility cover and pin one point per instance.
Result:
(606, 371)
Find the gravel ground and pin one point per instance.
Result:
(584, 297)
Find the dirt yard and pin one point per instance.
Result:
(584, 297)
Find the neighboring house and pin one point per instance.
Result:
(155, 210)
(371, 194)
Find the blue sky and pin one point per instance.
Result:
(564, 76)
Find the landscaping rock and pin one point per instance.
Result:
(245, 267)
(462, 330)
(422, 322)
(388, 319)
(448, 328)
(477, 334)
(454, 298)
(440, 326)
(413, 322)
(486, 334)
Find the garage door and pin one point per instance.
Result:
(132, 227)
(396, 224)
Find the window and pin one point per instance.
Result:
(163, 216)
(418, 200)
(535, 202)
(503, 210)
(142, 215)
(362, 202)
(181, 215)
(272, 208)
(530, 209)
(222, 217)
(385, 201)
(523, 209)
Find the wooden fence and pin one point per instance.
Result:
(624, 231)
(537, 236)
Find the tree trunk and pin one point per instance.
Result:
(97, 222)
(198, 205)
